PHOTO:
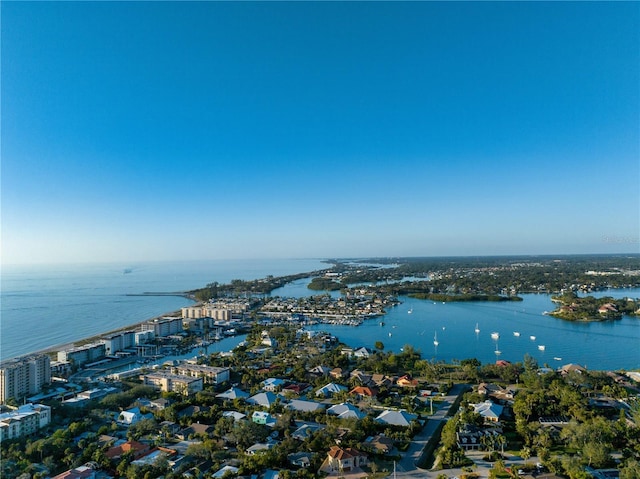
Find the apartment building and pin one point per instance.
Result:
(24, 421)
(23, 376)
(168, 382)
(210, 374)
(120, 341)
(81, 355)
(163, 327)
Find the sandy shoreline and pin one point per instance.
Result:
(60, 347)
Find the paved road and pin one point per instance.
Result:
(406, 467)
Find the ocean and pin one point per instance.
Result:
(47, 306)
(44, 306)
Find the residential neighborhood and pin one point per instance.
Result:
(311, 407)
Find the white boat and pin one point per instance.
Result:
(516, 334)
(435, 339)
(541, 347)
(532, 338)
(410, 311)
(495, 335)
(389, 334)
(477, 330)
(498, 352)
(557, 359)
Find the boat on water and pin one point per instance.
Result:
(477, 330)
(557, 358)
(516, 334)
(532, 338)
(541, 347)
(410, 311)
(497, 351)
(435, 339)
(390, 334)
(381, 323)
(495, 335)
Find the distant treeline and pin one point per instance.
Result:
(463, 297)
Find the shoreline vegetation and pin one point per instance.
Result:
(447, 280)
(463, 297)
(588, 309)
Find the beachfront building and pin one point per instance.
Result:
(23, 376)
(81, 355)
(144, 337)
(168, 382)
(120, 341)
(206, 311)
(210, 374)
(163, 327)
(24, 421)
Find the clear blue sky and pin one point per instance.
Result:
(160, 131)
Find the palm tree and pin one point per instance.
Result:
(501, 441)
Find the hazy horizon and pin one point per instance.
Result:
(167, 131)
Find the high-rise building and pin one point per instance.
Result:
(23, 376)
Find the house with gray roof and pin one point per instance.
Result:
(330, 389)
(305, 406)
(396, 418)
(232, 393)
(346, 410)
(265, 399)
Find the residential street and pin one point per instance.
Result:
(407, 466)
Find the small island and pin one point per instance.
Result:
(574, 308)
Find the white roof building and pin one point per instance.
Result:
(396, 418)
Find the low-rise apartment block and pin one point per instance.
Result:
(210, 374)
(24, 421)
(168, 382)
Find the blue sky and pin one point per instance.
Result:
(206, 130)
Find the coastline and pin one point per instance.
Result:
(62, 346)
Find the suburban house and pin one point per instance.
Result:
(136, 448)
(380, 444)
(272, 384)
(345, 410)
(343, 460)
(130, 416)
(261, 417)
(361, 392)
(232, 393)
(330, 389)
(263, 399)
(396, 418)
(407, 381)
(488, 410)
(305, 406)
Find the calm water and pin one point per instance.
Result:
(601, 345)
(43, 306)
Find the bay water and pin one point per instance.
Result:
(44, 306)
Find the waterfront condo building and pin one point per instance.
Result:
(81, 355)
(163, 327)
(24, 421)
(23, 376)
(116, 342)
